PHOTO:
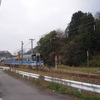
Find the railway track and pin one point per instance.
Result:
(73, 73)
(77, 76)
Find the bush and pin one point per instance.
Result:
(95, 63)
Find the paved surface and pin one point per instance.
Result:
(14, 89)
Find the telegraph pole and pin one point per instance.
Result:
(22, 51)
(87, 58)
(56, 62)
(32, 45)
(0, 2)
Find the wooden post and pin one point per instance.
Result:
(59, 60)
(56, 62)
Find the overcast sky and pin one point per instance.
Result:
(21, 20)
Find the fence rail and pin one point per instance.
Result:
(4, 68)
(75, 84)
(79, 85)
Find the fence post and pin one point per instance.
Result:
(56, 62)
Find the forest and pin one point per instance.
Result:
(77, 45)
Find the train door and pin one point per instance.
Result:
(38, 59)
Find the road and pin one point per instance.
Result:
(14, 89)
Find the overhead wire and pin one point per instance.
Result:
(70, 29)
(19, 50)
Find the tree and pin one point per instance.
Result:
(50, 45)
(80, 39)
(97, 15)
(81, 35)
(72, 29)
(86, 30)
(97, 35)
(71, 53)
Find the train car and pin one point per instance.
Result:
(29, 60)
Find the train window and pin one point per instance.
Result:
(25, 59)
(14, 59)
(38, 58)
(33, 57)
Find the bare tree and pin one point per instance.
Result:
(97, 15)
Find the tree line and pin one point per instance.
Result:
(81, 35)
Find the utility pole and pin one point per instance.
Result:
(22, 51)
(56, 62)
(0, 2)
(87, 58)
(94, 27)
(32, 45)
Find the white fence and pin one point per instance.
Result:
(1, 67)
(80, 85)
(75, 84)
(28, 74)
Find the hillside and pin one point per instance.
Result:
(4, 54)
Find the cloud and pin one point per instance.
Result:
(24, 19)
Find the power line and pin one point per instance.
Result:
(81, 26)
(67, 31)
(27, 44)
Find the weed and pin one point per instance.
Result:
(57, 87)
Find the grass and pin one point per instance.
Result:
(88, 70)
(81, 69)
(64, 73)
(57, 87)
(83, 95)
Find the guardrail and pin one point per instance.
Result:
(1, 67)
(36, 76)
(75, 84)
(79, 85)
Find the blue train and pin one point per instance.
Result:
(29, 60)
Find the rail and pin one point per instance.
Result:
(79, 85)
(36, 76)
(4, 68)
